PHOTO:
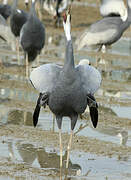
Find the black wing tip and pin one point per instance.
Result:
(36, 115)
(35, 120)
(94, 116)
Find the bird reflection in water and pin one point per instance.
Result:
(46, 158)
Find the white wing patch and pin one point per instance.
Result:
(90, 77)
(44, 77)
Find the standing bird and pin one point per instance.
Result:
(17, 20)
(105, 31)
(66, 90)
(5, 9)
(53, 7)
(32, 36)
(113, 8)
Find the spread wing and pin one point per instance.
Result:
(90, 78)
(44, 77)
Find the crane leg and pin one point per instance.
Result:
(25, 117)
(38, 60)
(60, 154)
(68, 149)
(97, 56)
(27, 66)
(18, 51)
(53, 128)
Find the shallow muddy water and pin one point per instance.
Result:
(28, 153)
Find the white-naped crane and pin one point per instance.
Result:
(18, 18)
(32, 37)
(66, 90)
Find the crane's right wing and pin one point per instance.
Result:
(44, 77)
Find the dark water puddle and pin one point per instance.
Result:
(82, 165)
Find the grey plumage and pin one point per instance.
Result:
(17, 19)
(105, 31)
(32, 35)
(5, 10)
(66, 90)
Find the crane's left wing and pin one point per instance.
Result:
(44, 77)
(90, 78)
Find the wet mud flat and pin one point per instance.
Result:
(34, 153)
(28, 153)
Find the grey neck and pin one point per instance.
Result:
(32, 11)
(14, 6)
(69, 57)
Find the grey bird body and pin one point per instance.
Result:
(66, 90)
(66, 98)
(32, 35)
(104, 32)
(17, 19)
(113, 28)
(5, 10)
